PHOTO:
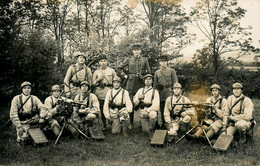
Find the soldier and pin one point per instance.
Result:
(117, 107)
(54, 108)
(85, 111)
(214, 119)
(238, 115)
(137, 67)
(75, 75)
(176, 116)
(148, 101)
(102, 79)
(164, 78)
(25, 111)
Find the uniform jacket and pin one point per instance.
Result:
(168, 106)
(220, 109)
(73, 77)
(28, 108)
(117, 100)
(246, 112)
(164, 80)
(91, 101)
(104, 80)
(148, 93)
(135, 66)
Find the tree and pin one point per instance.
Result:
(219, 21)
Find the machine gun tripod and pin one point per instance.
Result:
(201, 111)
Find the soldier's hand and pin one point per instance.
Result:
(224, 129)
(141, 96)
(68, 94)
(183, 114)
(20, 131)
(58, 108)
(110, 120)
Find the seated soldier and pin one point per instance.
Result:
(214, 118)
(25, 112)
(147, 100)
(85, 111)
(117, 107)
(176, 116)
(238, 115)
(52, 103)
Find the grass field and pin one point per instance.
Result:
(117, 150)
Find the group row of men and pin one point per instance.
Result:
(156, 98)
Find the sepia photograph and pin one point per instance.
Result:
(130, 82)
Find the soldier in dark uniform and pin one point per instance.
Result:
(164, 79)
(137, 67)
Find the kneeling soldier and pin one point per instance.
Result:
(239, 113)
(147, 100)
(214, 119)
(176, 116)
(25, 111)
(85, 110)
(117, 107)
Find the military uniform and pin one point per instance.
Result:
(25, 113)
(164, 79)
(84, 114)
(75, 75)
(238, 115)
(137, 68)
(117, 108)
(172, 114)
(104, 83)
(148, 107)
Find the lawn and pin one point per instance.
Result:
(118, 150)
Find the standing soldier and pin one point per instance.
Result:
(54, 108)
(85, 111)
(75, 75)
(164, 79)
(102, 79)
(137, 68)
(214, 120)
(25, 111)
(148, 101)
(117, 107)
(239, 113)
(176, 116)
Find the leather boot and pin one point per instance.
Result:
(242, 137)
(210, 133)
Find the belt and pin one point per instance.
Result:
(75, 84)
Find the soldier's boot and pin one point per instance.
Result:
(150, 134)
(242, 137)
(210, 133)
(56, 130)
(73, 131)
(198, 133)
(124, 128)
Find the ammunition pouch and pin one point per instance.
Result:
(142, 105)
(26, 116)
(112, 105)
(75, 84)
(102, 86)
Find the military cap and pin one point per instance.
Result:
(148, 75)
(177, 85)
(163, 58)
(237, 86)
(77, 54)
(55, 88)
(215, 86)
(102, 57)
(137, 46)
(26, 83)
(116, 78)
(84, 83)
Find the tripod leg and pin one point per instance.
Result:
(60, 134)
(207, 137)
(79, 130)
(186, 134)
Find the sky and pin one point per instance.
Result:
(252, 18)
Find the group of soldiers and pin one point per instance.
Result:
(157, 99)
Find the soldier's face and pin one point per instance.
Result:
(237, 92)
(177, 91)
(56, 93)
(215, 92)
(84, 88)
(163, 63)
(136, 52)
(81, 59)
(27, 90)
(103, 63)
(116, 84)
(148, 81)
